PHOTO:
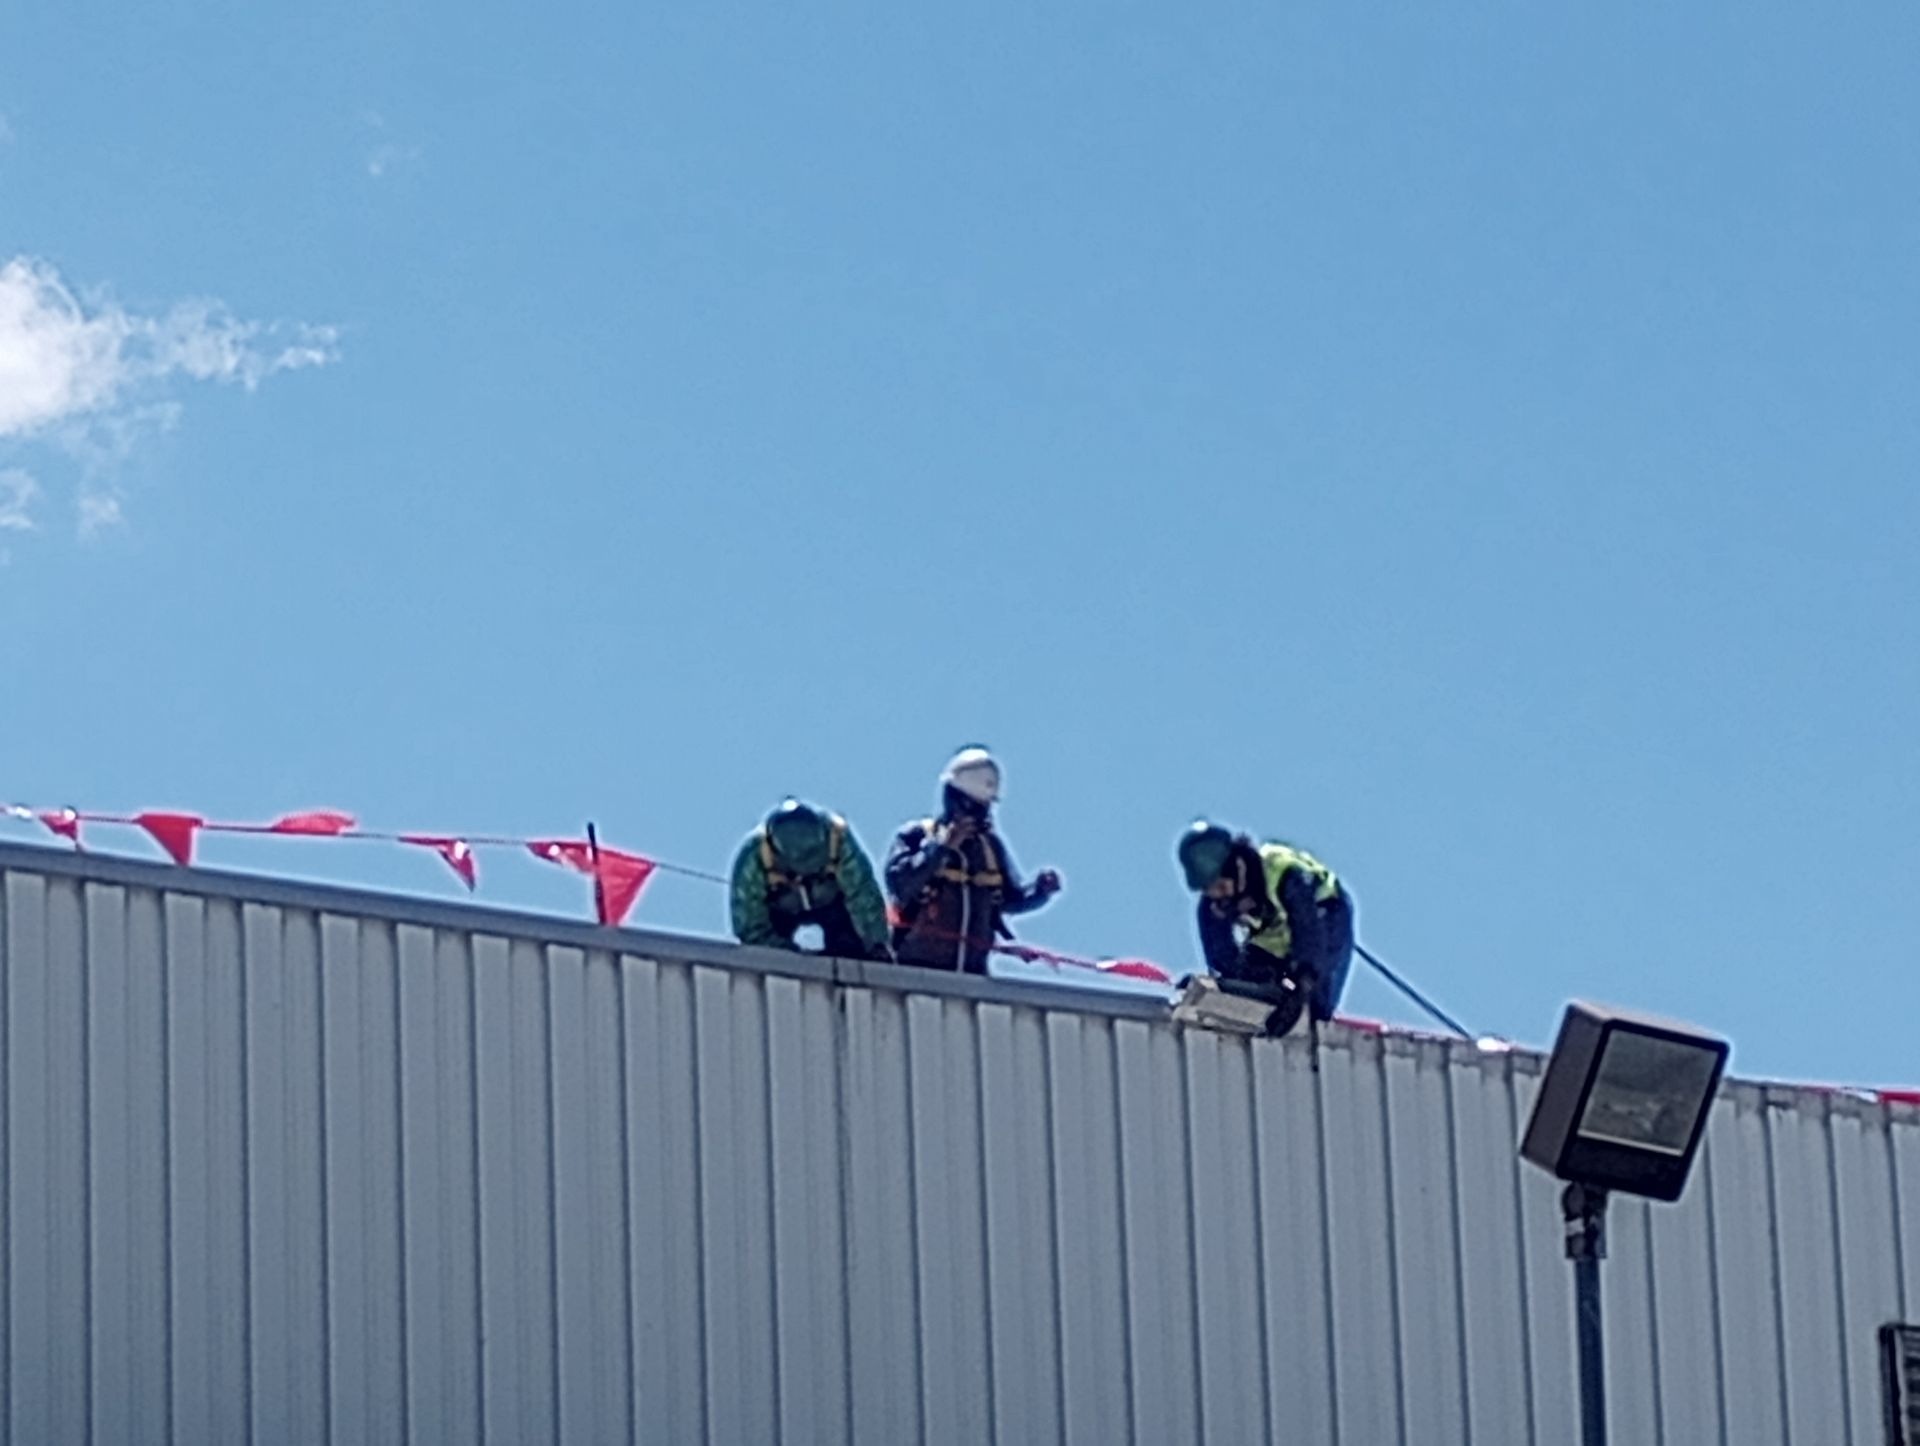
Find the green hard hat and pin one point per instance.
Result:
(1204, 851)
(802, 836)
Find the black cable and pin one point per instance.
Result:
(1414, 994)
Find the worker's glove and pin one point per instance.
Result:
(1047, 884)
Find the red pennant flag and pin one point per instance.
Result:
(621, 876)
(321, 823)
(1136, 969)
(63, 821)
(173, 832)
(456, 851)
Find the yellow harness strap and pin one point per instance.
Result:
(779, 877)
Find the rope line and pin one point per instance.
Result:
(1433, 1010)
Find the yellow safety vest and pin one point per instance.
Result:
(1276, 936)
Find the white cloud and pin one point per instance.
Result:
(6, 130)
(98, 512)
(63, 360)
(18, 494)
(385, 159)
(387, 156)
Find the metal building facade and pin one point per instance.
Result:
(286, 1164)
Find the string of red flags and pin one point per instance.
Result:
(618, 876)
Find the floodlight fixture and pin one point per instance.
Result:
(1622, 1106)
(1624, 1101)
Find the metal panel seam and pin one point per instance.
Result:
(86, 1163)
(1379, 1064)
(623, 1068)
(1899, 1235)
(1447, 1082)
(1325, 1165)
(914, 1243)
(246, 1177)
(1259, 1243)
(1839, 1273)
(1703, 1168)
(1648, 1265)
(400, 1188)
(1053, 1235)
(164, 936)
(773, 1244)
(1773, 1265)
(6, 1144)
(992, 1385)
(1526, 1278)
(479, 1232)
(1120, 1212)
(696, 1181)
(1185, 1044)
(843, 1132)
(552, 1133)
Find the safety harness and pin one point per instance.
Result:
(782, 880)
(990, 874)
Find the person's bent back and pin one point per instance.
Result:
(804, 867)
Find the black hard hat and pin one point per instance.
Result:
(1204, 851)
(802, 836)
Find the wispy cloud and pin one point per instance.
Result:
(6, 129)
(388, 155)
(83, 379)
(18, 495)
(62, 359)
(99, 511)
(390, 158)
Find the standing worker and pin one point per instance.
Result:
(949, 879)
(803, 867)
(1297, 915)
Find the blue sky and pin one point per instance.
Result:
(1479, 446)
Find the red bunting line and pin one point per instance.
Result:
(619, 876)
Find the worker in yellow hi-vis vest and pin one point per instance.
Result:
(1271, 914)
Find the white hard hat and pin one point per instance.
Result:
(975, 774)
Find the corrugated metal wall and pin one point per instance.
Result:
(286, 1165)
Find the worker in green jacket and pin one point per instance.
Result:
(1271, 915)
(803, 866)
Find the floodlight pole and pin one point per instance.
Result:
(1584, 1208)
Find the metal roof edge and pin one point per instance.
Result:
(404, 910)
